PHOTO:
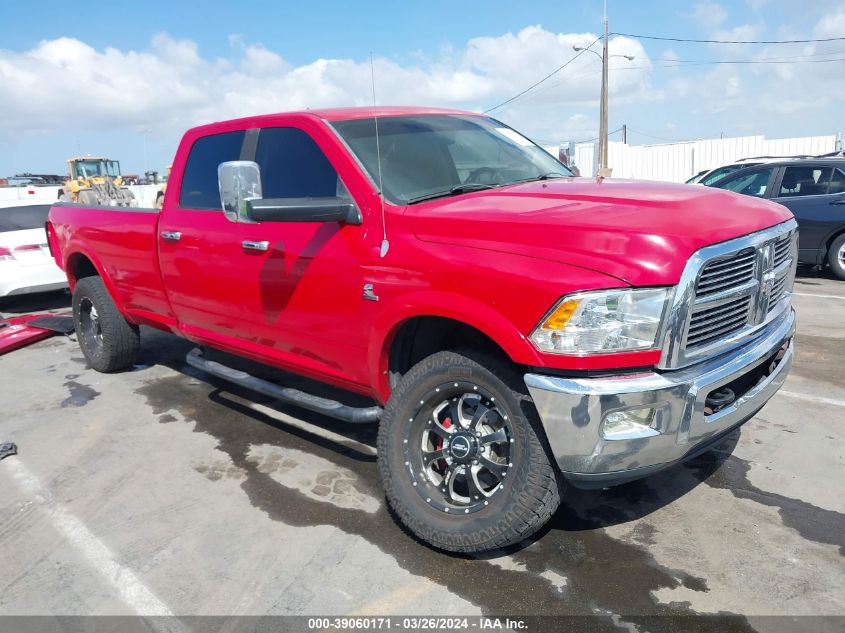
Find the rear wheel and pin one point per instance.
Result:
(108, 342)
(836, 257)
(461, 455)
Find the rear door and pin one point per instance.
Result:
(816, 196)
(198, 246)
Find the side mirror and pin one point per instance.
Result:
(239, 182)
(327, 209)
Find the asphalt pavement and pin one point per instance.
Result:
(162, 491)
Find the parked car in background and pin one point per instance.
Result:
(25, 261)
(694, 180)
(814, 190)
(708, 177)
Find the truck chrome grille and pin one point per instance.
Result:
(737, 291)
(781, 251)
(725, 274)
(778, 292)
(710, 324)
(727, 292)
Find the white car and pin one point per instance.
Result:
(25, 262)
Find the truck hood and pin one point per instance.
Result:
(640, 232)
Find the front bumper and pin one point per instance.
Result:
(573, 411)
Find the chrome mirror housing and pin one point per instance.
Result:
(239, 182)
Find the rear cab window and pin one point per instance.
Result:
(200, 189)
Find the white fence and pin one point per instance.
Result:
(676, 162)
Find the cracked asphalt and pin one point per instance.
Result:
(164, 491)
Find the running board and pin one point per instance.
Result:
(332, 408)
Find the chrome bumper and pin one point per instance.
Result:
(574, 410)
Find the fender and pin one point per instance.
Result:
(441, 304)
(822, 252)
(73, 248)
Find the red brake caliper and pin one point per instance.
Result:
(438, 444)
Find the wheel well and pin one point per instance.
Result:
(420, 337)
(830, 242)
(80, 266)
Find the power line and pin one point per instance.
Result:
(675, 63)
(551, 74)
(592, 140)
(658, 138)
(682, 39)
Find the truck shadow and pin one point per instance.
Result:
(37, 302)
(580, 509)
(282, 455)
(810, 276)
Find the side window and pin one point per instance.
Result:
(808, 180)
(293, 166)
(199, 182)
(837, 182)
(751, 184)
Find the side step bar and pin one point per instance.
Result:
(332, 408)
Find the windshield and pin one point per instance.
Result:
(90, 168)
(721, 172)
(426, 156)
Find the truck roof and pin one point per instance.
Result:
(337, 114)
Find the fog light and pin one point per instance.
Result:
(629, 424)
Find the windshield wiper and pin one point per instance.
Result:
(549, 175)
(466, 187)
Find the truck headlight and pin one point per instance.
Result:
(603, 321)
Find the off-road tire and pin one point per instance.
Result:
(531, 492)
(835, 257)
(119, 341)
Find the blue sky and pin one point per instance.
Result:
(134, 75)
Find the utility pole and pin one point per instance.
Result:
(603, 106)
(625, 133)
(605, 56)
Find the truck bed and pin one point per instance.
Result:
(121, 243)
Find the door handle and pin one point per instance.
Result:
(171, 236)
(838, 201)
(255, 246)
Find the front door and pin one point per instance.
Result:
(199, 249)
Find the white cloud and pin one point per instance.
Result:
(709, 14)
(65, 83)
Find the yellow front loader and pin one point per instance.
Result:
(96, 181)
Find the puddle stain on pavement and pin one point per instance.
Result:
(80, 394)
(572, 568)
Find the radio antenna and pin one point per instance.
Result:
(385, 245)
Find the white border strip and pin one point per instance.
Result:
(809, 398)
(133, 592)
(806, 294)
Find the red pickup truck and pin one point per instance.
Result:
(516, 328)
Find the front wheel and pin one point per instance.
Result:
(836, 257)
(461, 455)
(108, 342)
